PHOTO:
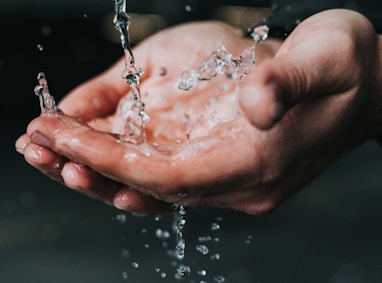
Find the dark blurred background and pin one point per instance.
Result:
(330, 232)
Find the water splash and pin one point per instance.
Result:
(260, 33)
(47, 102)
(132, 108)
(221, 62)
(179, 223)
(182, 270)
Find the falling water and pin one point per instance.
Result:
(134, 118)
(221, 62)
(132, 107)
(47, 102)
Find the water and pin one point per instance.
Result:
(260, 33)
(47, 102)
(179, 223)
(132, 109)
(131, 113)
(220, 62)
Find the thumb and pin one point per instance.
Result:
(278, 84)
(98, 96)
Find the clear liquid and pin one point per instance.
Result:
(133, 118)
(47, 102)
(221, 62)
(132, 112)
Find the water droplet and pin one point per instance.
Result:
(188, 80)
(121, 218)
(203, 249)
(180, 249)
(135, 264)
(215, 226)
(157, 218)
(204, 239)
(215, 256)
(219, 279)
(202, 272)
(260, 33)
(162, 234)
(182, 271)
(249, 239)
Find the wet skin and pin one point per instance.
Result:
(296, 120)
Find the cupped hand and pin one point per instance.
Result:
(185, 160)
(302, 109)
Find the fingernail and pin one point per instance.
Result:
(20, 146)
(250, 96)
(38, 138)
(261, 104)
(121, 201)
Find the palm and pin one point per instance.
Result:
(195, 139)
(201, 149)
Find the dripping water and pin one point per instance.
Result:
(47, 101)
(132, 107)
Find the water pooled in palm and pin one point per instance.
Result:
(132, 108)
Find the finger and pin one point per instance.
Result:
(88, 182)
(300, 71)
(44, 160)
(161, 175)
(21, 143)
(137, 202)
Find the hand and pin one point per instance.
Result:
(235, 165)
(92, 162)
